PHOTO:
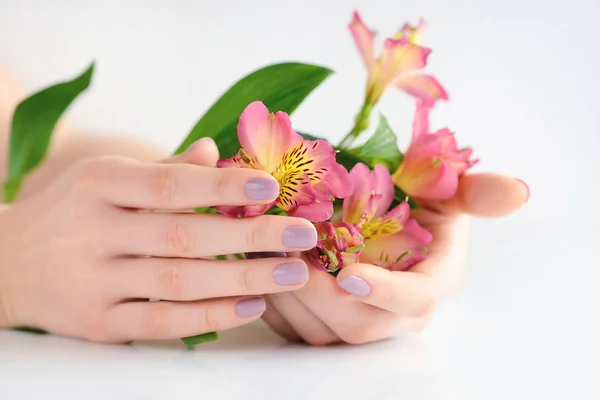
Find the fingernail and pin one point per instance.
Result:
(262, 254)
(526, 186)
(250, 307)
(356, 286)
(300, 237)
(262, 189)
(290, 273)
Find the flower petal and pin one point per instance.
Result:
(336, 183)
(400, 250)
(234, 162)
(412, 33)
(421, 121)
(315, 212)
(242, 212)
(440, 182)
(354, 205)
(400, 57)
(383, 186)
(295, 190)
(364, 38)
(265, 136)
(421, 86)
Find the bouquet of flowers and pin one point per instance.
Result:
(358, 197)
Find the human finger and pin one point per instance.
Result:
(170, 320)
(192, 279)
(483, 195)
(202, 152)
(405, 293)
(303, 321)
(202, 235)
(131, 184)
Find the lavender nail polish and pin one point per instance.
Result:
(250, 307)
(262, 189)
(292, 273)
(354, 285)
(300, 237)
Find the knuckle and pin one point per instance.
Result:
(256, 236)
(157, 325)
(180, 237)
(248, 281)
(165, 186)
(173, 280)
(210, 320)
(223, 181)
(361, 334)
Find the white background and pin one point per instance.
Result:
(523, 81)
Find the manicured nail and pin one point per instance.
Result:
(250, 307)
(262, 189)
(526, 186)
(300, 237)
(356, 286)
(290, 273)
(263, 254)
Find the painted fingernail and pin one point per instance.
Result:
(250, 307)
(526, 186)
(300, 237)
(262, 189)
(356, 286)
(290, 273)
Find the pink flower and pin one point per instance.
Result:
(433, 163)
(399, 63)
(308, 175)
(392, 240)
(339, 244)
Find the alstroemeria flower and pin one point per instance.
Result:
(308, 175)
(399, 64)
(432, 163)
(392, 240)
(338, 244)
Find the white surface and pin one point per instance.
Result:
(523, 80)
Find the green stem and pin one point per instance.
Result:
(361, 123)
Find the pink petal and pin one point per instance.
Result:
(294, 191)
(242, 212)
(421, 120)
(364, 38)
(439, 182)
(265, 136)
(390, 250)
(412, 33)
(399, 214)
(400, 57)
(354, 205)
(424, 87)
(383, 186)
(314, 212)
(336, 183)
(233, 162)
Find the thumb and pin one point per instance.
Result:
(202, 152)
(484, 195)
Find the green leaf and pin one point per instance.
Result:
(280, 87)
(33, 122)
(382, 147)
(192, 341)
(349, 160)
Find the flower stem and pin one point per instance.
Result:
(361, 123)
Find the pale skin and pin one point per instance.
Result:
(104, 224)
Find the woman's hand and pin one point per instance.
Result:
(367, 303)
(83, 256)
